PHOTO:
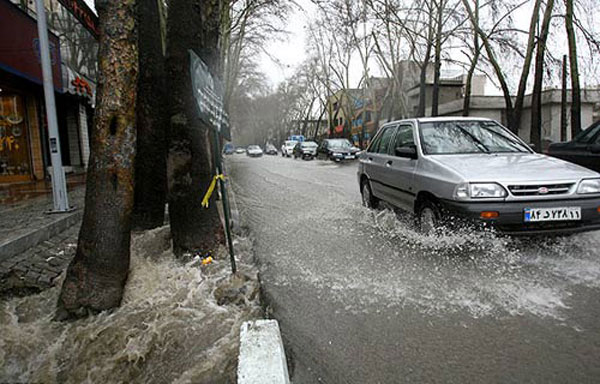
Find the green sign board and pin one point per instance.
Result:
(208, 93)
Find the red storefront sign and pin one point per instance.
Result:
(19, 46)
(83, 13)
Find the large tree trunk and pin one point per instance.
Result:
(96, 277)
(575, 88)
(536, 96)
(191, 25)
(151, 159)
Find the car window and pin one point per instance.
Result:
(376, 140)
(586, 136)
(386, 140)
(404, 137)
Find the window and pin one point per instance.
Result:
(404, 137)
(386, 140)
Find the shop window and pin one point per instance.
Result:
(14, 145)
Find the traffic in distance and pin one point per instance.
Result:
(451, 172)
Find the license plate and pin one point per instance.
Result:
(552, 214)
(349, 157)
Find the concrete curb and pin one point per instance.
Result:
(262, 356)
(17, 245)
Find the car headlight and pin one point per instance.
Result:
(337, 154)
(479, 191)
(589, 186)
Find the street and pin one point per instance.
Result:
(363, 298)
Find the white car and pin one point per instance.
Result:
(287, 149)
(254, 151)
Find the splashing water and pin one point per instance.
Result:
(168, 328)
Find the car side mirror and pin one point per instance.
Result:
(595, 148)
(408, 152)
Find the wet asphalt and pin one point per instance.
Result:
(361, 297)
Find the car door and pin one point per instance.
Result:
(377, 166)
(400, 170)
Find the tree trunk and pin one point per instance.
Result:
(517, 111)
(474, 61)
(191, 25)
(575, 88)
(423, 81)
(536, 96)
(151, 158)
(435, 94)
(563, 102)
(492, 58)
(96, 277)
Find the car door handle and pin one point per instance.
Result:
(388, 163)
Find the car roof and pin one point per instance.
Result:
(439, 119)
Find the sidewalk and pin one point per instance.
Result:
(36, 247)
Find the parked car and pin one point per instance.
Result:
(584, 149)
(337, 150)
(254, 151)
(240, 150)
(287, 149)
(270, 149)
(306, 150)
(228, 149)
(447, 168)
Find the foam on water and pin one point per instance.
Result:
(168, 328)
(462, 270)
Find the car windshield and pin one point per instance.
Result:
(456, 137)
(586, 136)
(309, 144)
(253, 147)
(290, 143)
(341, 144)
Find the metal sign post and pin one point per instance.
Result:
(208, 95)
(59, 185)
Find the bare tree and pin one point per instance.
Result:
(536, 96)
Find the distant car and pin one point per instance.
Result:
(305, 150)
(444, 169)
(270, 149)
(584, 149)
(254, 151)
(337, 150)
(240, 150)
(228, 149)
(288, 148)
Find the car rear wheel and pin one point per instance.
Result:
(429, 217)
(368, 199)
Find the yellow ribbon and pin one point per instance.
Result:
(211, 188)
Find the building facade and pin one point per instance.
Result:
(24, 154)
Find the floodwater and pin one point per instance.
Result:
(363, 297)
(169, 328)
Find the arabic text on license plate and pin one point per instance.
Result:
(349, 157)
(552, 214)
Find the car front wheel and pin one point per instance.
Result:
(429, 217)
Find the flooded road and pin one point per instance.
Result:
(363, 298)
(169, 328)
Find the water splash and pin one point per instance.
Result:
(168, 328)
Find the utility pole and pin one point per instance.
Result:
(59, 185)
